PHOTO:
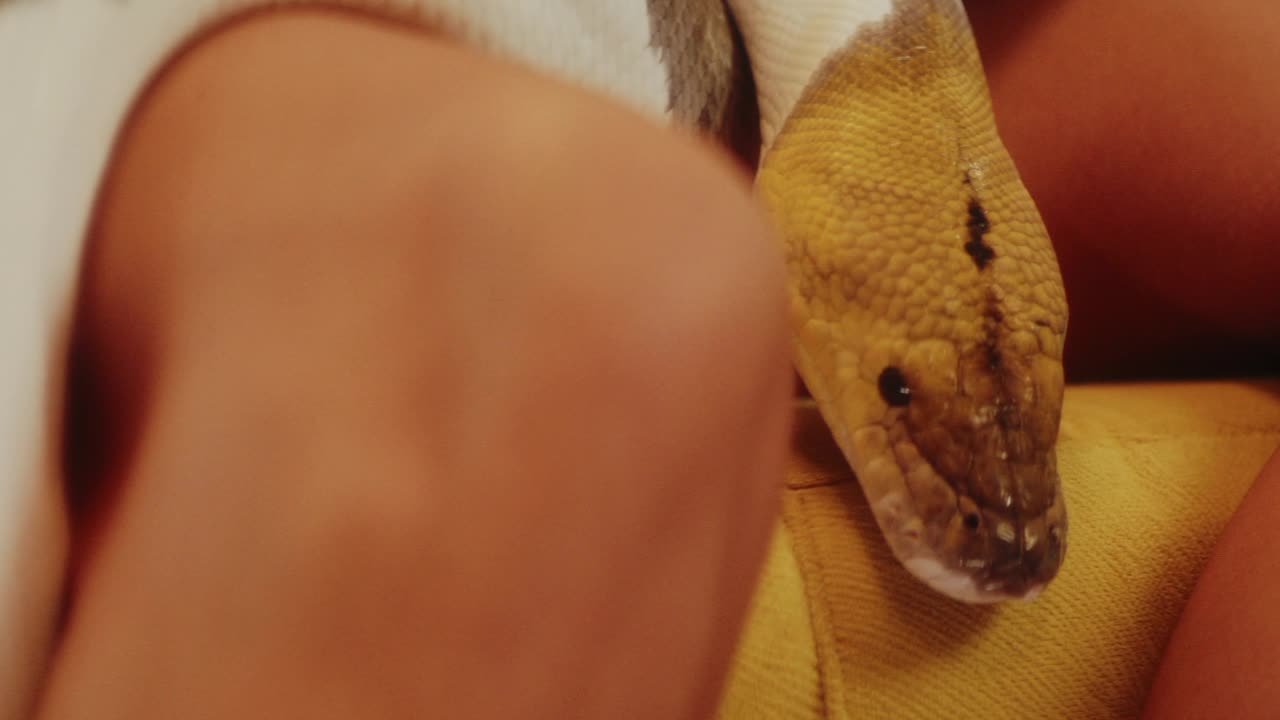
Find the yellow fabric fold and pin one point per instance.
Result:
(1152, 473)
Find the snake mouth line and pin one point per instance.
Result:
(963, 586)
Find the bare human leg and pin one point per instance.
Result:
(1224, 657)
(1145, 131)
(411, 383)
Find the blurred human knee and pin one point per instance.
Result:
(466, 373)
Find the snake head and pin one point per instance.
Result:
(927, 303)
(961, 467)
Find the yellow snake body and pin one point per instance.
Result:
(928, 309)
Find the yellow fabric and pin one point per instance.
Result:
(839, 630)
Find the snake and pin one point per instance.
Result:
(927, 305)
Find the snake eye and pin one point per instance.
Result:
(894, 388)
(972, 520)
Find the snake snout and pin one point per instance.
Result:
(1026, 557)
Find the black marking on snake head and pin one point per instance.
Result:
(993, 318)
(979, 225)
(894, 388)
(972, 520)
(1008, 416)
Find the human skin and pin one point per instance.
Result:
(407, 379)
(1223, 659)
(1146, 134)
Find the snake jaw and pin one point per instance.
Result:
(953, 583)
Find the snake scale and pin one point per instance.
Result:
(927, 306)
